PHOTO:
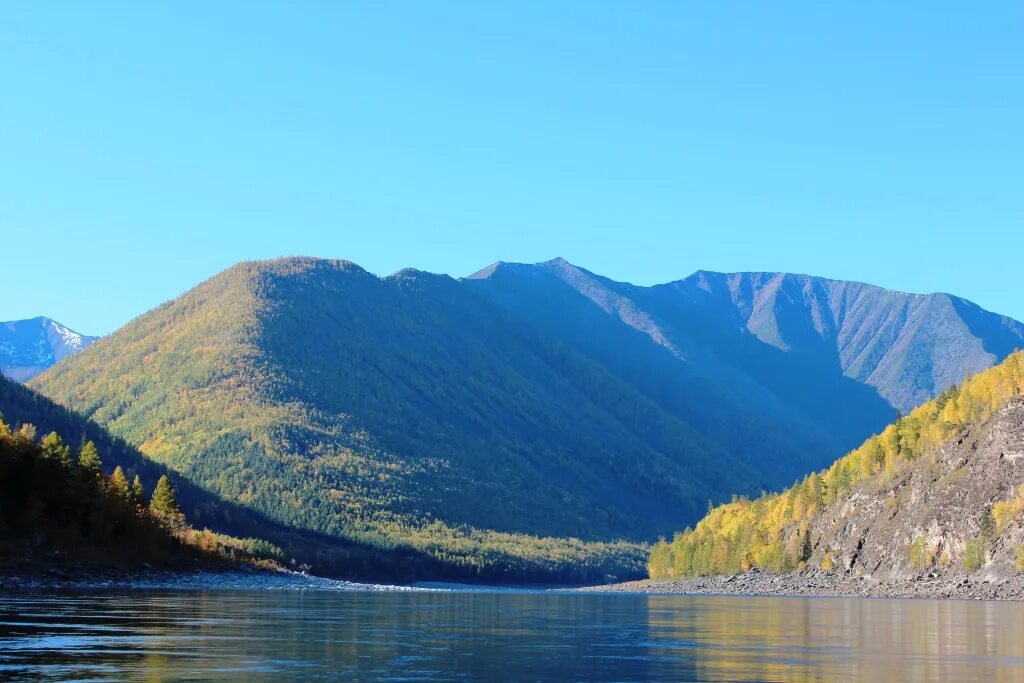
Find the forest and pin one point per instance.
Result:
(436, 551)
(58, 505)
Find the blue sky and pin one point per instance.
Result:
(146, 146)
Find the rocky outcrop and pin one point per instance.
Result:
(932, 520)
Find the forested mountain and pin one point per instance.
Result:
(484, 423)
(27, 347)
(250, 533)
(54, 501)
(398, 411)
(772, 409)
(96, 503)
(940, 491)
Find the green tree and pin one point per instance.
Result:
(119, 485)
(138, 494)
(918, 553)
(164, 502)
(54, 448)
(89, 459)
(975, 553)
(987, 525)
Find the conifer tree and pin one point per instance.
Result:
(119, 485)
(89, 459)
(164, 503)
(55, 449)
(138, 494)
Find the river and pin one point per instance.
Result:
(248, 635)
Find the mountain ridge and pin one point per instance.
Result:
(753, 296)
(485, 420)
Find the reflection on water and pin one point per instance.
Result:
(193, 635)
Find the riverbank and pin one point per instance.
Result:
(753, 583)
(822, 585)
(246, 578)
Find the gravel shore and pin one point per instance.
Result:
(820, 585)
(751, 583)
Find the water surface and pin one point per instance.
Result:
(275, 635)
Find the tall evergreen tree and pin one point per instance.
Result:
(55, 449)
(89, 459)
(119, 485)
(164, 502)
(138, 494)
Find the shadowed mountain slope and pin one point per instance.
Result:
(837, 359)
(910, 347)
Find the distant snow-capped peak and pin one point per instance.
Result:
(28, 347)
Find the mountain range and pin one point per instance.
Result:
(27, 347)
(491, 421)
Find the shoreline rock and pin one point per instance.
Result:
(765, 584)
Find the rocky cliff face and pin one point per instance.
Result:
(934, 519)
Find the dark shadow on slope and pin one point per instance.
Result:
(710, 399)
(327, 555)
(541, 441)
(809, 377)
(999, 335)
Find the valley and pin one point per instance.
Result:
(527, 423)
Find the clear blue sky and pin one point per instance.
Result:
(146, 146)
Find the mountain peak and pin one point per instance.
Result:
(27, 347)
(293, 265)
(487, 272)
(557, 264)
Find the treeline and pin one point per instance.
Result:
(364, 547)
(57, 503)
(771, 532)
